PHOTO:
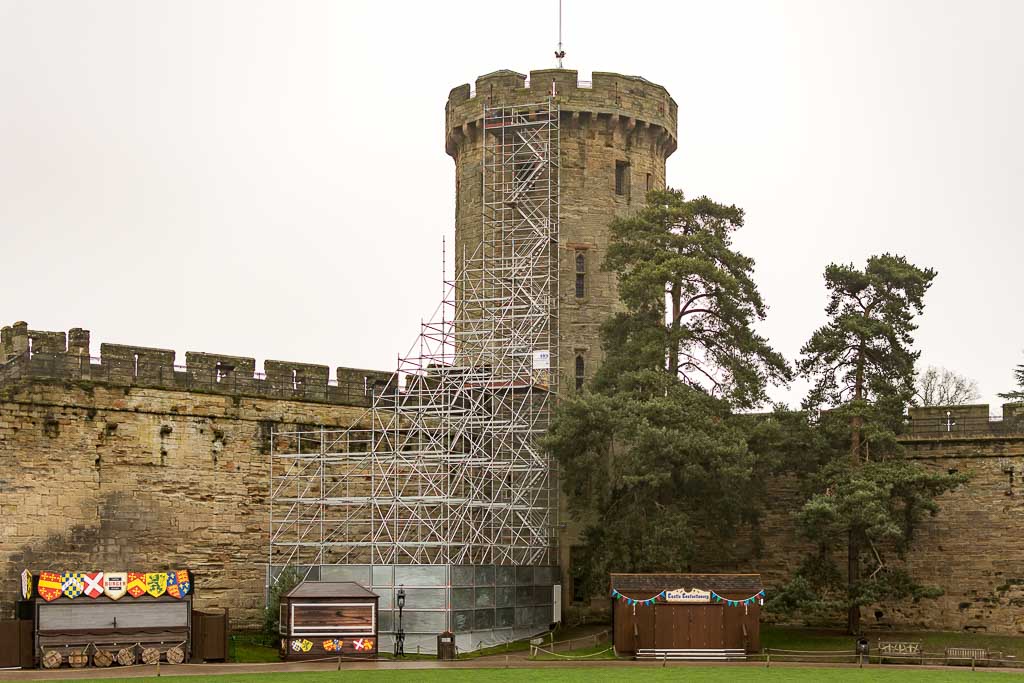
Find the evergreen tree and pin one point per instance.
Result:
(1018, 393)
(651, 453)
(691, 302)
(863, 495)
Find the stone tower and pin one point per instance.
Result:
(615, 135)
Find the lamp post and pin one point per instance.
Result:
(400, 636)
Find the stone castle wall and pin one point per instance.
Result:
(972, 549)
(107, 470)
(125, 464)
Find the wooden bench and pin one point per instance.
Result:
(971, 654)
(898, 648)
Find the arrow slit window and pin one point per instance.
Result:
(581, 275)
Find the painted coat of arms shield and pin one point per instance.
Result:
(115, 584)
(26, 585)
(49, 586)
(72, 584)
(178, 583)
(93, 584)
(136, 584)
(156, 583)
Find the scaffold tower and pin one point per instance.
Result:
(445, 468)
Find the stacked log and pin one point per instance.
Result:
(176, 655)
(126, 656)
(52, 659)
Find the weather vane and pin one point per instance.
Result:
(560, 53)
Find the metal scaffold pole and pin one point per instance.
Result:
(445, 467)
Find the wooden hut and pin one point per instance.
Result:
(686, 616)
(328, 618)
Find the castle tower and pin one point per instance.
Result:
(616, 134)
(614, 137)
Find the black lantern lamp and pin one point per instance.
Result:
(400, 635)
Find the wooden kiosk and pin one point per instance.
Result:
(325, 619)
(686, 616)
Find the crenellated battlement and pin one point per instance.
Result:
(611, 99)
(963, 422)
(26, 353)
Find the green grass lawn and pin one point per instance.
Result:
(711, 674)
(253, 649)
(785, 638)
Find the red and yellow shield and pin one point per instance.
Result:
(49, 586)
(136, 584)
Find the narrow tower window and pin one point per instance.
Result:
(581, 275)
(622, 178)
(581, 372)
(650, 182)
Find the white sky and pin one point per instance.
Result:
(269, 179)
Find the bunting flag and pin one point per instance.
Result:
(634, 601)
(757, 597)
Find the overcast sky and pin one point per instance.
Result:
(269, 179)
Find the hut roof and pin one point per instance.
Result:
(330, 589)
(716, 582)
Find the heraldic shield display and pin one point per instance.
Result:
(136, 584)
(50, 585)
(115, 584)
(156, 583)
(93, 582)
(72, 584)
(26, 585)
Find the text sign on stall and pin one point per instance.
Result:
(695, 596)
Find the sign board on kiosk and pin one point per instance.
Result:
(681, 595)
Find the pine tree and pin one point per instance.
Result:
(1016, 394)
(651, 453)
(865, 496)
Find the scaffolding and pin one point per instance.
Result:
(445, 468)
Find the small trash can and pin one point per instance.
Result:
(862, 647)
(446, 645)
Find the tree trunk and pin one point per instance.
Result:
(673, 341)
(853, 575)
(853, 546)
